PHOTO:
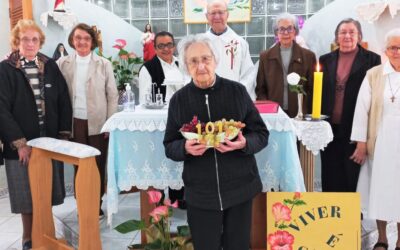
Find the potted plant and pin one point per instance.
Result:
(125, 66)
(157, 231)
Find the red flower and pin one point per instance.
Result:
(281, 240)
(281, 212)
(120, 44)
(297, 195)
(154, 196)
(159, 212)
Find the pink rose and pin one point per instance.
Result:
(158, 213)
(297, 195)
(154, 196)
(281, 240)
(281, 212)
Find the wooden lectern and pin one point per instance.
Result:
(87, 190)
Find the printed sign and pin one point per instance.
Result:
(313, 221)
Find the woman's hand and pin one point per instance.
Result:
(194, 148)
(24, 154)
(228, 145)
(360, 154)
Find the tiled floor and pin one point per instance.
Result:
(67, 225)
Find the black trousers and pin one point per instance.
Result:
(81, 135)
(338, 172)
(228, 229)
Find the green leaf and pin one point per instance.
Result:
(183, 231)
(198, 10)
(299, 203)
(123, 52)
(136, 246)
(155, 245)
(282, 226)
(287, 201)
(130, 225)
(297, 89)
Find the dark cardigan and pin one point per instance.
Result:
(363, 61)
(237, 170)
(18, 111)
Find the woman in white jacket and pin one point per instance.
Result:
(376, 130)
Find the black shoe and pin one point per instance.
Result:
(27, 245)
(381, 245)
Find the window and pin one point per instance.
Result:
(168, 15)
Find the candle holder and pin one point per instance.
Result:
(308, 117)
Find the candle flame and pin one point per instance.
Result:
(318, 67)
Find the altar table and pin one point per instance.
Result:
(136, 155)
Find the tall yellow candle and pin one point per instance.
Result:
(317, 94)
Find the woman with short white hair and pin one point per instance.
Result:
(376, 130)
(220, 182)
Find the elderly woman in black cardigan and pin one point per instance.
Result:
(220, 182)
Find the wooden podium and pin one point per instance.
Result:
(87, 189)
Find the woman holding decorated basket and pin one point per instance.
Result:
(220, 181)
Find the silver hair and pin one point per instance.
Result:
(391, 34)
(286, 16)
(209, 2)
(189, 40)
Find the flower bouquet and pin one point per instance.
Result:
(126, 65)
(211, 133)
(158, 232)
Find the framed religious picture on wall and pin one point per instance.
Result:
(194, 11)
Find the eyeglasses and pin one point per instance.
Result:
(351, 33)
(195, 61)
(282, 30)
(393, 49)
(85, 38)
(165, 45)
(215, 13)
(26, 40)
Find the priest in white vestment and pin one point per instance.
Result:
(376, 129)
(234, 56)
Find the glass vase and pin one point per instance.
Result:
(299, 115)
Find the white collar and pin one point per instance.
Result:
(84, 59)
(174, 59)
(388, 68)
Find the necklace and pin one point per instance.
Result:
(391, 90)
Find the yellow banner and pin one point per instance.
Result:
(313, 221)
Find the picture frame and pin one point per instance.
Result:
(195, 11)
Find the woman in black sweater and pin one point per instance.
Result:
(220, 182)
